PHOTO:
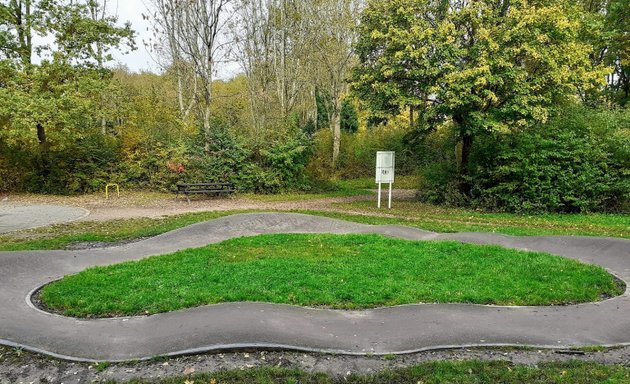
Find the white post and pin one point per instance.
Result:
(385, 168)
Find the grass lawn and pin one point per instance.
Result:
(305, 196)
(443, 372)
(412, 214)
(447, 219)
(338, 271)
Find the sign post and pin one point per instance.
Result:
(385, 164)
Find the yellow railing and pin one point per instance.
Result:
(107, 190)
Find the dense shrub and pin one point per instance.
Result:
(577, 162)
(146, 165)
(14, 170)
(82, 167)
(225, 159)
(349, 119)
(89, 164)
(284, 163)
(277, 167)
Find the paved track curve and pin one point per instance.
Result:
(397, 329)
(16, 217)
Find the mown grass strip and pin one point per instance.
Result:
(446, 219)
(306, 196)
(323, 270)
(412, 214)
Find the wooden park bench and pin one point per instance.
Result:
(213, 189)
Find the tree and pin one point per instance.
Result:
(194, 31)
(168, 19)
(484, 65)
(608, 29)
(297, 56)
(332, 27)
(272, 46)
(53, 99)
(323, 104)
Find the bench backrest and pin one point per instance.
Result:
(205, 186)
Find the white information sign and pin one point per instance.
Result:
(385, 165)
(385, 162)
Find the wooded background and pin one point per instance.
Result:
(498, 104)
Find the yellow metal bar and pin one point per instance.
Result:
(107, 190)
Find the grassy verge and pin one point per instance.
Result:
(402, 182)
(445, 219)
(62, 235)
(461, 372)
(338, 271)
(412, 214)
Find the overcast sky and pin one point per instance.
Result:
(132, 10)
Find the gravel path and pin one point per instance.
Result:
(135, 204)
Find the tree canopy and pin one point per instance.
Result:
(60, 94)
(484, 65)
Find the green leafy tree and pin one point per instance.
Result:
(53, 103)
(483, 65)
(608, 29)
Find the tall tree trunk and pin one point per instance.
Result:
(180, 89)
(336, 128)
(464, 184)
(23, 21)
(44, 159)
(206, 127)
(467, 141)
(41, 135)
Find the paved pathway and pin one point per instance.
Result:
(237, 325)
(15, 217)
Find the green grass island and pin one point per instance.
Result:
(355, 271)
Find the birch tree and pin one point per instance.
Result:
(253, 36)
(194, 31)
(200, 31)
(167, 21)
(332, 27)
